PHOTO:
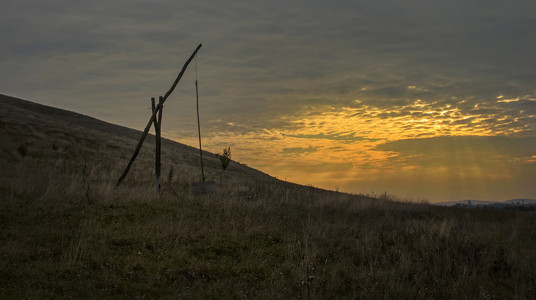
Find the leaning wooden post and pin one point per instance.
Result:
(153, 116)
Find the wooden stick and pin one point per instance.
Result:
(153, 107)
(155, 123)
(181, 73)
(158, 143)
(199, 130)
(153, 116)
(136, 151)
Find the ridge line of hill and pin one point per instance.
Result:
(91, 123)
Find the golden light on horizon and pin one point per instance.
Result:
(346, 147)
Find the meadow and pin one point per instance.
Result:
(65, 232)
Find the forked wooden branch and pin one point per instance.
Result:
(153, 116)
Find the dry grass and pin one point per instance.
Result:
(66, 233)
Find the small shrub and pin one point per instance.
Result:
(225, 157)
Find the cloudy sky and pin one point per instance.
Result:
(421, 99)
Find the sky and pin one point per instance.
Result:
(425, 100)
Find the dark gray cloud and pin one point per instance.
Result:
(279, 54)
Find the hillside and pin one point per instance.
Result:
(54, 134)
(65, 232)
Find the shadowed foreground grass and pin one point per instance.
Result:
(72, 236)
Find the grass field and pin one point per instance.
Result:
(66, 233)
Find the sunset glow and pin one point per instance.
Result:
(367, 97)
(335, 148)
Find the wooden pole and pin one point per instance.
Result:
(153, 107)
(181, 73)
(158, 128)
(153, 116)
(136, 151)
(199, 131)
(156, 161)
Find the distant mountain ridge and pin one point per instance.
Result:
(477, 203)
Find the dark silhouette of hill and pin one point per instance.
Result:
(49, 133)
(66, 116)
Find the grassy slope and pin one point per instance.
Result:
(64, 232)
